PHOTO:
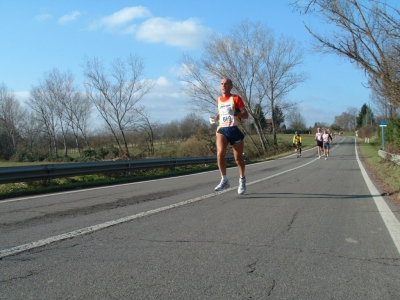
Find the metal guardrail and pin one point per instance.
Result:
(46, 172)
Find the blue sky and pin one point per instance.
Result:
(38, 36)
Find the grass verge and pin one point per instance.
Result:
(385, 172)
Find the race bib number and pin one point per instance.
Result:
(227, 119)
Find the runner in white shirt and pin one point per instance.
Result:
(318, 138)
(326, 140)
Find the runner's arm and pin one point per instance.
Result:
(242, 113)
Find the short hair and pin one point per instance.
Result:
(228, 79)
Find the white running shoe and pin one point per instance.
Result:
(326, 158)
(319, 157)
(224, 184)
(242, 186)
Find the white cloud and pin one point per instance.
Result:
(22, 96)
(166, 88)
(122, 17)
(188, 34)
(163, 81)
(69, 17)
(130, 29)
(43, 17)
(166, 102)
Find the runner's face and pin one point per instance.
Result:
(226, 86)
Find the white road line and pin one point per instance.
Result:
(43, 242)
(392, 224)
(387, 215)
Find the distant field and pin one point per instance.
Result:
(20, 164)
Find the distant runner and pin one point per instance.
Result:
(318, 138)
(297, 141)
(327, 140)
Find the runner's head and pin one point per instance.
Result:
(226, 86)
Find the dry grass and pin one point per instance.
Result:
(385, 172)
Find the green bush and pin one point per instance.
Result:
(28, 157)
(392, 132)
(113, 152)
(102, 152)
(89, 153)
(23, 157)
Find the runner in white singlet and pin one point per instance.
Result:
(231, 110)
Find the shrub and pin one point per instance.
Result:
(366, 131)
(102, 152)
(23, 157)
(113, 152)
(28, 157)
(195, 146)
(392, 132)
(89, 153)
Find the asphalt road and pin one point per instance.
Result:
(307, 228)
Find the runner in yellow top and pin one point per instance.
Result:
(297, 141)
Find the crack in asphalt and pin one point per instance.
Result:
(378, 260)
(271, 287)
(252, 267)
(292, 221)
(29, 274)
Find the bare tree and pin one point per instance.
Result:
(11, 116)
(279, 77)
(367, 33)
(117, 94)
(44, 105)
(73, 107)
(386, 110)
(31, 133)
(347, 120)
(78, 111)
(191, 124)
(296, 121)
(248, 54)
(61, 108)
(384, 105)
(59, 89)
(145, 132)
(171, 131)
